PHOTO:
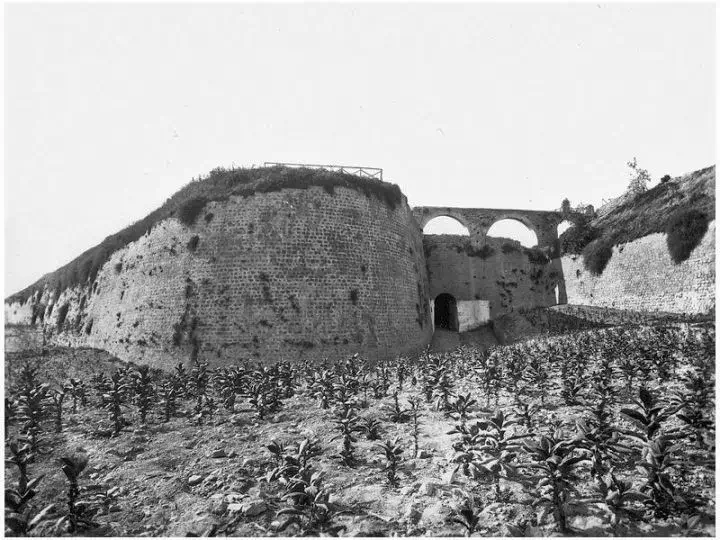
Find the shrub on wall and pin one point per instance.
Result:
(536, 256)
(684, 231)
(190, 210)
(193, 243)
(596, 255)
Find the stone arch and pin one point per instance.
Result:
(428, 215)
(564, 225)
(505, 228)
(445, 225)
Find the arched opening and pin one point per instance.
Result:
(564, 226)
(513, 230)
(445, 225)
(557, 295)
(446, 315)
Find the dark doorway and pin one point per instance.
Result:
(446, 315)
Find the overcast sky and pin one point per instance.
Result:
(109, 109)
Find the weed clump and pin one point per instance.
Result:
(684, 231)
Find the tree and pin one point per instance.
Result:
(639, 178)
(565, 207)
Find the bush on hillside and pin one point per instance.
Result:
(684, 231)
(574, 239)
(596, 255)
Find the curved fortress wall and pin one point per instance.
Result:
(284, 275)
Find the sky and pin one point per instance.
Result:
(111, 108)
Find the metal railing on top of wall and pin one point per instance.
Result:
(368, 172)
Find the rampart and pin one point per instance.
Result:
(641, 276)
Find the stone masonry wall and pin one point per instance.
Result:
(641, 276)
(507, 280)
(277, 276)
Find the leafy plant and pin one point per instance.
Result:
(77, 516)
(17, 512)
(525, 412)
(371, 428)
(393, 455)
(397, 414)
(557, 460)
(467, 515)
(414, 412)
(58, 396)
(167, 400)
(616, 495)
(10, 415)
(32, 409)
(660, 493)
(347, 425)
(649, 414)
(115, 399)
(499, 448)
(77, 391)
(460, 407)
(144, 388)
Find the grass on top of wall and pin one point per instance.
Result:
(187, 204)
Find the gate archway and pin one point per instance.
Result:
(446, 314)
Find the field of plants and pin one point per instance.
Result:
(604, 432)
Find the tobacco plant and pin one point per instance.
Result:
(467, 515)
(393, 455)
(499, 448)
(17, 513)
(347, 424)
(525, 412)
(460, 407)
(57, 396)
(649, 415)
(115, 399)
(10, 415)
(101, 384)
(371, 428)
(661, 497)
(77, 515)
(557, 461)
(397, 414)
(167, 396)
(617, 494)
(322, 388)
(181, 380)
(414, 412)
(32, 409)
(77, 391)
(695, 402)
(144, 389)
